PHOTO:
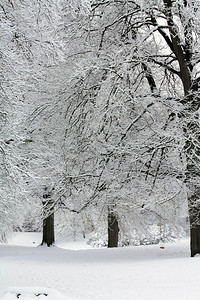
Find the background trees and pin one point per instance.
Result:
(110, 112)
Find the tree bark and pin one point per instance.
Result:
(195, 240)
(48, 222)
(113, 229)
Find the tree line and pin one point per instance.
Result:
(100, 114)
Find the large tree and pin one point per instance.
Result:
(118, 137)
(163, 36)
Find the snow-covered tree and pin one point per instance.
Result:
(163, 36)
(106, 116)
(30, 40)
(121, 142)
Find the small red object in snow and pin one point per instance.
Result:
(162, 247)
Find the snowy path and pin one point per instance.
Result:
(141, 273)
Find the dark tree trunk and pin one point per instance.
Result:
(195, 240)
(194, 216)
(113, 229)
(48, 231)
(48, 222)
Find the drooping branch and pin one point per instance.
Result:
(178, 51)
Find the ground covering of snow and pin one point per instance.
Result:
(132, 273)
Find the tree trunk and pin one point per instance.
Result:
(194, 215)
(48, 222)
(195, 240)
(48, 231)
(113, 228)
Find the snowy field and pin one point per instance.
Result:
(75, 271)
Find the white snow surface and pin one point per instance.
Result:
(33, 293)
(135, 273)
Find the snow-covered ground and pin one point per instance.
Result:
(135, 273)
